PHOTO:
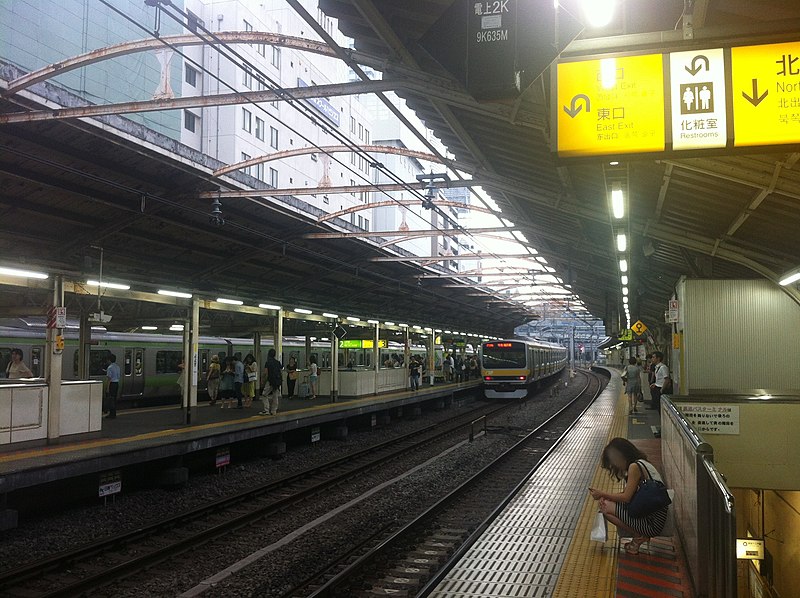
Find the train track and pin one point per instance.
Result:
(100, 563)
(406, 562)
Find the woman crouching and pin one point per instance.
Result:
(628, 464)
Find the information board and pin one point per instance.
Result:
(611, 106)
(698, 99)
(711, 418)
(766, 94)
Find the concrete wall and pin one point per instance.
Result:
(738, 335)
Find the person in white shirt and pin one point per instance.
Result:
(661, 372)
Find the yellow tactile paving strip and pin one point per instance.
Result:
(104, 442)
(590, 568)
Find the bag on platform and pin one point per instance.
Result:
(651, 495)
(252, 376)
(599, 529)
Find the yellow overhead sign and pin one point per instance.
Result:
(611, 106)
(625, 335)
(639, 328)
(766, 94)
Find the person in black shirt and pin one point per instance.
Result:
(272, 390)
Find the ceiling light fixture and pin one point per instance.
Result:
(109, 285)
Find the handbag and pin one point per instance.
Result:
(599, 529)
(651, 496)
(252, 376)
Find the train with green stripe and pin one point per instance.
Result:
(149, 362)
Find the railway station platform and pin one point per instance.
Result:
(539, 545)
(138, 436)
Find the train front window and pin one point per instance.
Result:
(503, 355)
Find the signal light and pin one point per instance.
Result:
(487, 377)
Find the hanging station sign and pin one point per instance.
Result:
(708, 100)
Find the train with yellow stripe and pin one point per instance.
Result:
(511, 368)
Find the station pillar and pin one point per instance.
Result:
(278, 341)
(432, 357)
(55, 349)
(376, 354)
(406, 351)
(194, 360)
(334, 368)
(84, 344)
(308, 354)
(257, 353)
(184, 378)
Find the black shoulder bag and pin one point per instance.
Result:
(651, 496)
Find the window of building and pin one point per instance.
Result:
(352, 124)
(259, 129)
(366, 223)
(273, 138)
(262, 49)
(260, 171)
(326, 199)
(353, 218)
(247, 120)
(360, 131)
(245, 157)
(273, 177)
(167, 362)
(352, 184)
(353, 158)
(191, 76)
(364, 196)
(360, 222)
(366, 136)
(189, 121)
(247, 77)
(247, 26)
(276, 57)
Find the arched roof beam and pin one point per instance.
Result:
(333, 149)
(406, 203)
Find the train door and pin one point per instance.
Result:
(36, 362)
(204, 356)
(132, 372)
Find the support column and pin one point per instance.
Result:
(84, 346)
(376, 355)
(572, 350)
(308, 355)
(432, 358)
(194, 360)
(54, 350)
(258, 356)
(406, 352)
(334, 368)
(278, 343)
(187, 367)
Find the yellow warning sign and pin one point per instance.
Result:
(639, 328)
(625, 335)
(766, 94)
(610, 106)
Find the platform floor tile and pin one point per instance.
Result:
(522, 552)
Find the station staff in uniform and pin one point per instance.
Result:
(661, 374)
(112, 373)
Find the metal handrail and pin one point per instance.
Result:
(698, 442)
(722, 487)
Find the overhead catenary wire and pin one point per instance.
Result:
(265, 80)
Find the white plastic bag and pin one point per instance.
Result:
(599, 529)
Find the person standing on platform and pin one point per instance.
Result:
(313, 379)
(291, 376)
(16, 368)
(473, 368)
(250, 380)
(238, 379)
(212, 379)
(628, 464)
(446, 367)
(112, 374)
(272, 394)
(413, 370)
(660, 378)
(633, 383)
(226, 384)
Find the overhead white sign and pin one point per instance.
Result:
(697, 81)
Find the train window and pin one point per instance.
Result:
(128, 362)
(138, 362)
(504, 355)
(97, 362)
(167, 362)
(5, 359)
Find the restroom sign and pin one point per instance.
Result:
(698, 99)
